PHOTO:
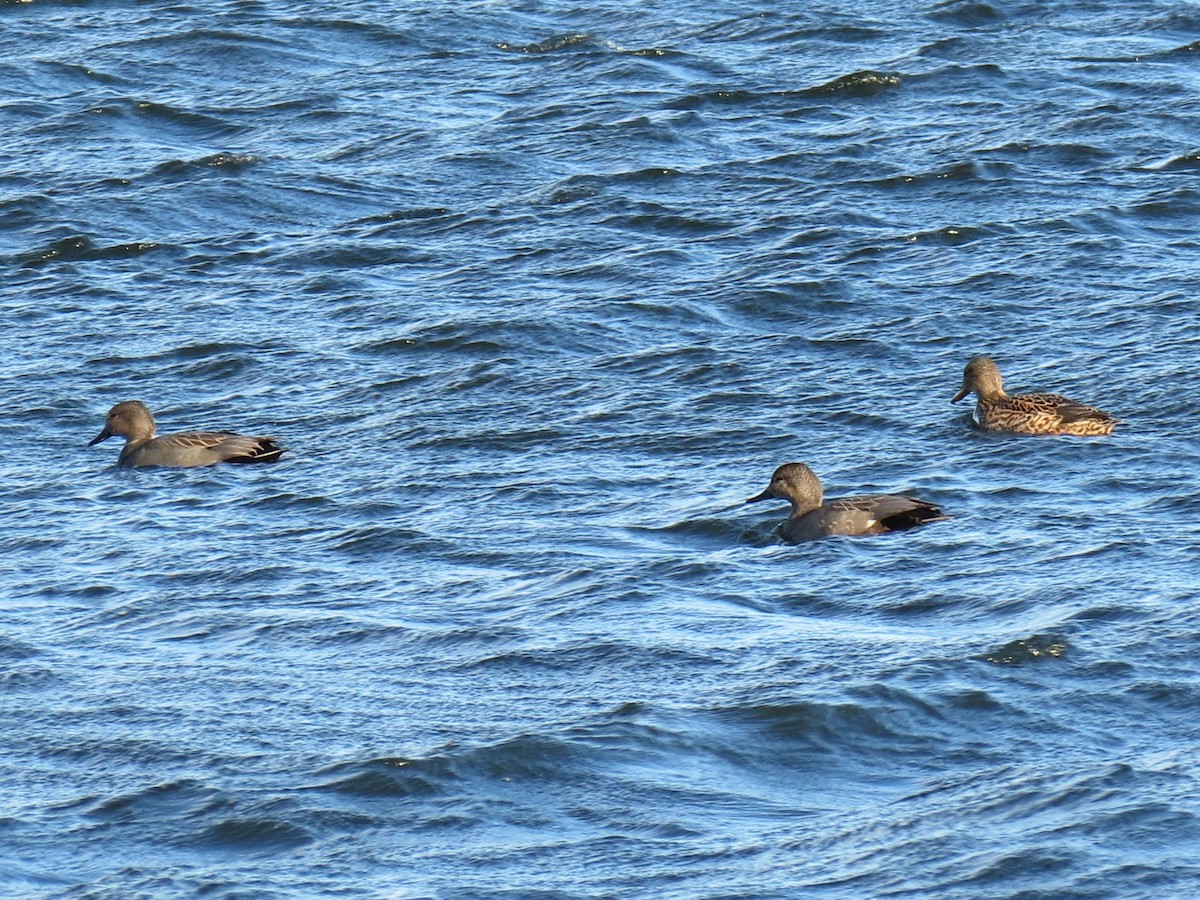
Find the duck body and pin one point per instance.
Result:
(813, 518)
(132, 420)
(1041, 413)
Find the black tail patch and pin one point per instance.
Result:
(911, 518)
(265, 451)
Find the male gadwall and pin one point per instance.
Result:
(1027, 413)
(810, 519)
(132, 420)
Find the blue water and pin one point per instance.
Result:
(537, 294)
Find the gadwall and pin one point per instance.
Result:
(1027, 413)
(811, 519)
(133, 421)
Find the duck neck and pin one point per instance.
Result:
(990, 392)
(135, 442)
(802, 506)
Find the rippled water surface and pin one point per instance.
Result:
(537, 294)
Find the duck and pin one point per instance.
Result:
(132, 420)
(813, 517)
(1027, 413)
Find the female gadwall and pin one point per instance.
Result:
(810, 519)
(132, 420)
(1027, 413)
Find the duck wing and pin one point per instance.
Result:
(202, 448)
(1035, 403)
(890, 512)
(1066, 409)
(1071, 411)
(238, 448)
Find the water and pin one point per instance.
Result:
(537, 294)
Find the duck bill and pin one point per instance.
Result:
(960, 395)
(102, 436)
(765, 495)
